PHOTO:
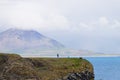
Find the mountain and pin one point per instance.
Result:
(21, 41)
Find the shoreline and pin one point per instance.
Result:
(70, 56)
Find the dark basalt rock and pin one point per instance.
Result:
(85, 75)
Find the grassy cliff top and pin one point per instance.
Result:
(14, 67)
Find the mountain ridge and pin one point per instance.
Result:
(20, 41)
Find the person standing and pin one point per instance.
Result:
(57, 55)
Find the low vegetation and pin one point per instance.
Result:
(14, 67)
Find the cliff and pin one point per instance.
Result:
(14, 67)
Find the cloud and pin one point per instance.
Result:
(103, 21)
(100, 35)
(32, 15)
(84, 25)
(52, 15)
(102, 24)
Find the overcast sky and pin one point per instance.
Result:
(79, 24)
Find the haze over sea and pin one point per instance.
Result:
(106, 68)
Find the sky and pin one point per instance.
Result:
(92, 25)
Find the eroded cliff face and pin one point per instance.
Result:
(14, 67)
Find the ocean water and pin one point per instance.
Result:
(106, 68)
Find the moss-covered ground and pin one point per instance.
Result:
(12, 66)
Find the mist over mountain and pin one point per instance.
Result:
(21, 41)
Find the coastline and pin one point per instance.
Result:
(15, 67)
(71, 56)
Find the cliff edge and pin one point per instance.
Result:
(14, 67)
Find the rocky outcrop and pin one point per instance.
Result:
(85, 75)
(14, 67)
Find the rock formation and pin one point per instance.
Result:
(14, 67)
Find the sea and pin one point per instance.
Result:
(106, 68)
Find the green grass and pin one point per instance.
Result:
(42, 68)
(52, 68)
